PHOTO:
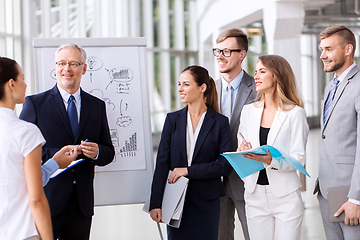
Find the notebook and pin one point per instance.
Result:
(337, 196)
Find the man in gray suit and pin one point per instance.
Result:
(235, 89)
(340, 129)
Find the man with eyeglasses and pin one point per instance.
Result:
(67, 115)
(235, 89)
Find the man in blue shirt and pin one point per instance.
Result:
(60, 160)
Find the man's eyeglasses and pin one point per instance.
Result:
(71, 64)
(226, 52)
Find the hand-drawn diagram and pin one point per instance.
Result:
(93, 64)
(114, 137)
(130, 147)
(98, 93)
(53, 74)
(123, 75)
(123, 121)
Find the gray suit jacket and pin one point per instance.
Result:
(245, 95)
(339, 163)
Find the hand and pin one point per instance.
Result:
(244, 146)
(260, 158)
(352, 213)
(89, 149)
(64, 160)
(155, 214)
(176, 173)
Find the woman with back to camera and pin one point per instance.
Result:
(24, 210)
(272, 195)
(191, 143)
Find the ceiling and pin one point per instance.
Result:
(322, 13)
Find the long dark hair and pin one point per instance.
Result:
(201, 76)
(8, 70)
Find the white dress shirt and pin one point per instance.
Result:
(192, 136)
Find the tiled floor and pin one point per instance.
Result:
(129, 222)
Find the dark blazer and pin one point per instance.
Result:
(207, 165)
(48, 112)
(245, 95)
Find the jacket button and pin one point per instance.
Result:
(323, 137)
(72, 170)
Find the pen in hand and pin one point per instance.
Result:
(248, 144)
(86, 140)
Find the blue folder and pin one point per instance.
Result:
(244, 166)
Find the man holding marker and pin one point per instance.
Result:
(67, 115)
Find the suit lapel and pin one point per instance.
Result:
(254, 128)
(84, 111)
(204, 131)
(181, 124)
(339, 92)
(241, 97)
(278, 121)
(60, 108)
(218, 86)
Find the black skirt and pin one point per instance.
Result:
(200, 219)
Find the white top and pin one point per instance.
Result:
(191, 137)
(17, 139)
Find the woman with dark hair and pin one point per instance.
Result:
(272, 196)
(24, 210)
(191, 143)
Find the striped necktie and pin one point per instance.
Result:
(330, 97)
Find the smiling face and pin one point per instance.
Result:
(333, 54)
(69, 78)
(188, 89)
(230, 65)
(264, 79)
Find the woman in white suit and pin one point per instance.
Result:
(272, 195)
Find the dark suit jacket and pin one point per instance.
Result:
(47, 111)
(207, 165)
(245, 95)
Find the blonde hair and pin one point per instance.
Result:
(285, 92)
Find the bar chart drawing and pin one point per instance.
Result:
(130, 147)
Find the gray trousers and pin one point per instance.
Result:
(336, 231)
(228, 204)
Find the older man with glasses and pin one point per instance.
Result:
(67, 115)
(235, 89)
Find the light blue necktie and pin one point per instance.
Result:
(330, 97)
(72, 113)
(228, 101)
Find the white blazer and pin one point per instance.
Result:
(288, 133)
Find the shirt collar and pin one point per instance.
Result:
(65, 95)
(343, 75)
(234, 83)
(4, 111)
